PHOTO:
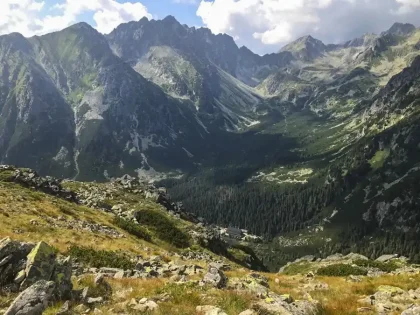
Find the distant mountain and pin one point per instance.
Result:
(305, 48)
(309, 141)
(194, 64)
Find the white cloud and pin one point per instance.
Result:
(407, 5)
(20, 15)
(24, 16)
(266, 25)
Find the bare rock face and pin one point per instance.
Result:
(34, 300)
(12, 260)
(215, 277)
(22, 265)
(40, 264)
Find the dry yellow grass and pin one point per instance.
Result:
(342, 296)
(18, 206)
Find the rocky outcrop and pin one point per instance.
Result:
(12, 263)
(25, 265)
(391, 300)
(215, 277)
(40, 264)
(34, 300)
(30, 178)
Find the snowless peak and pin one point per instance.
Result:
(401, 29)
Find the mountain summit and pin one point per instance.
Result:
(306, 48)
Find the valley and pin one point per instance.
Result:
(314, 148)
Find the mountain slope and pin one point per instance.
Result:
(36, 125)
(196, 65)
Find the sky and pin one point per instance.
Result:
(264, 26)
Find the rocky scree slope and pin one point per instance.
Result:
(51, 267)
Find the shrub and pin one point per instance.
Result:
(296, 268)
(132, 228)
(164, 228)
(385, 267)
(6, 176)
(101, 258)
(341, 270)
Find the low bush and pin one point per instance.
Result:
(6, 175)
(298, 268)
(132, 228)
(101, 258)
(341, 270)
(383, 266)
(163, 227)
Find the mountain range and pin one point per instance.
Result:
(316, 147)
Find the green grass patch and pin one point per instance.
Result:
(132, 228)
(163, 227)
(383, 266)
(379, 159)
(234, 303)
(341, 270)
(101, 258)
(294, 269)
(6, 175)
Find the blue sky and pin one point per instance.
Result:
(185, 12)
(264, 26)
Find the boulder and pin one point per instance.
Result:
(65, 309)
(96, 300)
(248, 312)
(354, 256)
(12, 256)
(34, 300)
(209, 310)
(385, 258)
(335, 257)
(215, 277)
(62, 278)
(220, 266)
(40, 264)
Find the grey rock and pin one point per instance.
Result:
(18, 252)
(215, 277)
(354, 256)
(96, 300)
(119, 275)
(99, 279)
(5, 260)
(385, 258)
(65, 309)
(40, 264)
(62, 278)
(34, 300)
(209, 310)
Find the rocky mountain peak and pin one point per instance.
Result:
(16, 42)
(170, 19)
(306, 48)
(400, 29)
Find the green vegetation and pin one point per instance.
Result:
(383, 266)
(101, 258)
(379, 159)
(163, 227)
(132, 228)
(341, 270)
(298, 268)
(6, 175)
